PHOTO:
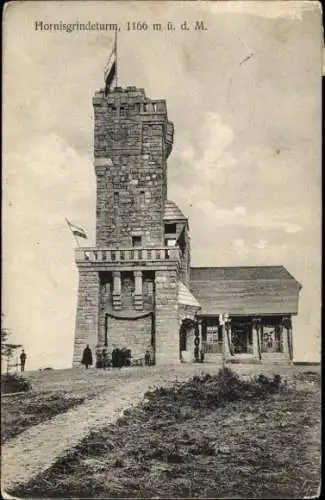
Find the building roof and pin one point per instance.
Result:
(172, 212)
(245, 290)
(185, 297)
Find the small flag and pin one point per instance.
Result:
(110, 69)
(77, 230)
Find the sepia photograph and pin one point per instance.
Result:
(161, 228)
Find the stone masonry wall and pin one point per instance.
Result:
(87, 314)
(167, 323)
(131, 133)
(139, 212)
(127, 301)
(133, 334)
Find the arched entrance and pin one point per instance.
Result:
(188, 340)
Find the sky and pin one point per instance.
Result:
(245, 99)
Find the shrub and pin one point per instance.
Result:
(12, 382)
(212, 391)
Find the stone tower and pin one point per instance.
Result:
(129, 282)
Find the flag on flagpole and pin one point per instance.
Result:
(77, 230)
(110, 70)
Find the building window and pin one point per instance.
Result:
(150, 287)
(170, 242)
(122, 112)
(141, 199)
(136, 241)
(113, 110)
(211, 337)
(116, 199)
(170, 228)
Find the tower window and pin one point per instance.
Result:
(136, 241)
(122, 111)
(170, 228)
(141, 198)
(170, 242)
(113, 110)
(116, 199)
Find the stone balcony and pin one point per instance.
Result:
(109, 258)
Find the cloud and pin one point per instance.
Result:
(239, 216)
(240, 211)
(258, 252)
(261, 244)
(207, 152)
(293, 229)
(240, 247)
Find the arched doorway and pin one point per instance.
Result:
(188, 332)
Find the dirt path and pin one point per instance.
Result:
(37, 448)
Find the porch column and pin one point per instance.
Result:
(225, 344)
(117, 290)
(227, 333)
(138, 297)
(199, 322)
(256, 328)
(286, 337)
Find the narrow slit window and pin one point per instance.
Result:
(150, 288)
(136, 241)
(141, 198)
(116, 199)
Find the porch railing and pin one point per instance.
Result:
(272, 346)
(212, 347)
(126, 254)
(243, 349)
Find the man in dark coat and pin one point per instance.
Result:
(22, 360)
(87, 357)
(116, 358)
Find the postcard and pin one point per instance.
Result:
(161, 249)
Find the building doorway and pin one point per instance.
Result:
(241, 336)
(186, 339)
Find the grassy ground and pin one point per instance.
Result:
(56, 391)
(207, 438)
(53, 392)
(25, 410)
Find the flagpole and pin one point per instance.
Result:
(75, 238)
(116, 57)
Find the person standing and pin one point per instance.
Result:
(116, 357)
(22, 360)
(87, 357)
(149, 356)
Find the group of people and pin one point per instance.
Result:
(119, 357)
